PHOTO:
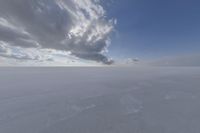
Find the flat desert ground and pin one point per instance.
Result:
(100, 100)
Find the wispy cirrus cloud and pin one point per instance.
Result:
(79, 27)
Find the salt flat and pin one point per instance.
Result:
(100, 100)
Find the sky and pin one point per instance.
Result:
(94, 32)
(156, 28)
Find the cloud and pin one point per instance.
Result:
(16, 52)
(31, 54)
(132, 60)
(128, 62)
(3, 48)
(76, 26)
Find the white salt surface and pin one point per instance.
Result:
(100, 100)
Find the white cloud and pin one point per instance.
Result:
(34, 54)
(78, 27)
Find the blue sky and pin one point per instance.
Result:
(155, 28)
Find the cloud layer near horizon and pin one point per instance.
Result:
(79, 27)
